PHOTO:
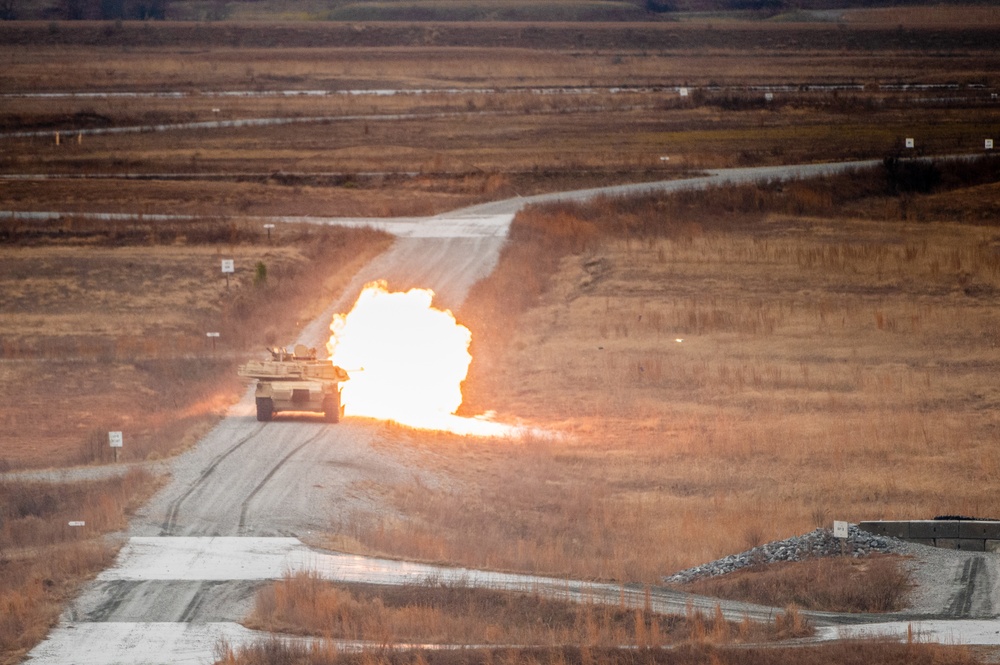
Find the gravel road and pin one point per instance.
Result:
(240, 502)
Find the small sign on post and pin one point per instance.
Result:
(116, 441)
(213, 336)
(269, 227)
(768, 96)
(910, 143)
(988, 144)
(840, 532)
(683, 92)
(228, 267)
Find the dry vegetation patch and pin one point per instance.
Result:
(835, 584)
(43, 560)
(109, 320)
(840, 653)
(303, 603)
(815, 350)
(719, 373)
(492, 119)
(925, 16)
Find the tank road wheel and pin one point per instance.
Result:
(265, 409)
(331, 408)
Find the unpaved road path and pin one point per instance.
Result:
(239, 504)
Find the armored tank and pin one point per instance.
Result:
(296, 381)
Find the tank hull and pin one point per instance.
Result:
(273, 397)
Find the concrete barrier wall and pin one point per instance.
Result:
(970, 535)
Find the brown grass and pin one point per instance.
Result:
(836, 584)
(460, 159)
(277, 652)
(528, 142)
(43, 561)
(937, 15)
(668, 448)
(137, 358)
(305, 604)
(833, 367)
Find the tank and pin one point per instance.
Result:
(296, 381)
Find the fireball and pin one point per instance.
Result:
(407, 361)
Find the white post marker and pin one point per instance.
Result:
(910, 143)
(988, 144)
(840, 532)
(116, 441)
(213, 336)
(683, 92)
(269, 227)
(228, 267)
(768, 96)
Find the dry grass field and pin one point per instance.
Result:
(504, 109)
(841, 653)
(838, 354)
(105, 324)
(933, 15)
(836, 584)
(104, 329)
(432, 614)
(43, 561)
(716, 376)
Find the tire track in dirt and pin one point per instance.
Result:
(118, 595)
(174, 509)
(972, 599)
(245, 506)
(191, 611)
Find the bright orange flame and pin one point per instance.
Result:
(407, 361)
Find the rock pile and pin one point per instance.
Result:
(816, 543)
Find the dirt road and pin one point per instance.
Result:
(240, 503)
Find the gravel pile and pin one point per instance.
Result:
(816, 543)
